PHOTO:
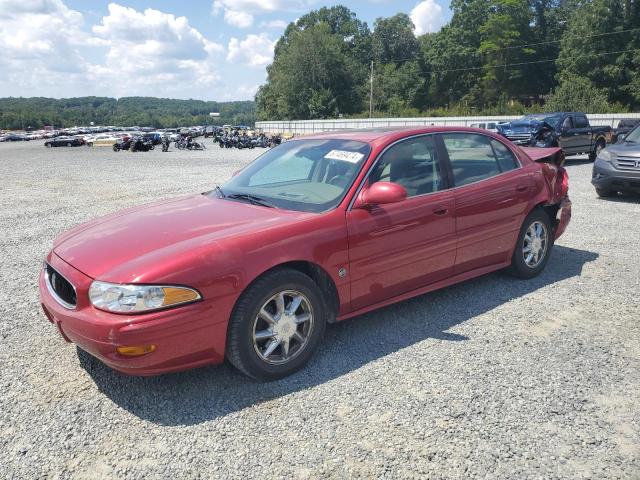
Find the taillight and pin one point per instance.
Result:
(563, 177)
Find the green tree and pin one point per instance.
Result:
(578, 94)
(594, 31)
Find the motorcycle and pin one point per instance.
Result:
(121, 145)
(140, 145)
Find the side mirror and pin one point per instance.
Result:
(621, 138)
(381, 193)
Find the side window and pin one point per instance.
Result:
(506, 160)
(581, 121)
(412, 163)
(472, 157)
(567, 124)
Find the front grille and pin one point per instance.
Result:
(61, 288)
(519, 139)
(627, 163)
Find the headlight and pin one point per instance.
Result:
(138, 298)
(607, 156)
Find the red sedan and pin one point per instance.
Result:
(315, 230)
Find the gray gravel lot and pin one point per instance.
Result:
(494, 378)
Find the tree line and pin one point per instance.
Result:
(36, 112)
(493, 57)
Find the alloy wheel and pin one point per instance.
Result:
(283, 327)
(534, 244)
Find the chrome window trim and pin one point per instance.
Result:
(52, 292)
(366, 177)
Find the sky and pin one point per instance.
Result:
(204, 49)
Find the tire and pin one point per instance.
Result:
(523, 265)
(250, 353)
(48, 145)
(116, 148)
(600, 145)
(69, 144)
(90, 144)
(604, 192)
(151, 147)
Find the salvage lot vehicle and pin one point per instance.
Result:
(316, 230)
(103, 141)
(617, 168)
(570, 131)
(625, 126)
(64, 142)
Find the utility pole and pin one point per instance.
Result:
(371, 93)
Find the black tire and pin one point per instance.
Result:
(519, 267)
(604, 192)
(600, 145)
(151, 147)
(240, 350)
(116, 148)
(90, 144)
(69, 144)
(48, 145)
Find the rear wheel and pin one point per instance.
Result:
(69, 144)
(535, 241)
(276, 325)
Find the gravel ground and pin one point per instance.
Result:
(493, 378)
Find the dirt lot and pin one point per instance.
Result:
(494, 378)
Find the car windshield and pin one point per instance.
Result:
(552, 120)
(633, 136)
(303, 175)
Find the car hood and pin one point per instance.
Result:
(162, 230)
(625, 149)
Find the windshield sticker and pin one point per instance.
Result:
(351, 157)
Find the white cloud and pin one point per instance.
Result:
(153, 49)
(254, 50)
(274, 24)
(238, 19)
(40, 41)
(236, 12)
(262, 5)
(427, 16)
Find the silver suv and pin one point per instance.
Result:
(617, 168)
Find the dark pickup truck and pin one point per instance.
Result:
(568, 130)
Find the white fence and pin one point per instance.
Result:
(305, 127)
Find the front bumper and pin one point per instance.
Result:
(185, 337)
(607, 177)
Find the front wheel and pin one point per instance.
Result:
(276, 325)
(604, 192)
(533, 248)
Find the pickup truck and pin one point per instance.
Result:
(568, 130)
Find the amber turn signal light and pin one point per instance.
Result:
(135, 350)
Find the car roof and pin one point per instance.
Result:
(389, 134)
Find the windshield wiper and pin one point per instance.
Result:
(252, 199)
(219, 192)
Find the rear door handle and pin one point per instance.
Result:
(441, 211)
(521, 188)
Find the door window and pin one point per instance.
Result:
(476, 157)
(581, 121)
(567, 124)
(412, 163)
(506, 160)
